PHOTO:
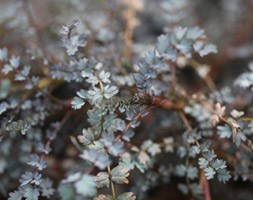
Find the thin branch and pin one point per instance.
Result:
(111, 182)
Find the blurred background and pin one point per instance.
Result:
(33, 26)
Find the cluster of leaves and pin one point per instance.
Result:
(109, 149)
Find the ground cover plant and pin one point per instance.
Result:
(125, 100)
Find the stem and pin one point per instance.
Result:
(207, 189)
(136, 117)
(112, 185)
(187, 124)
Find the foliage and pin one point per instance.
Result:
(115, 121)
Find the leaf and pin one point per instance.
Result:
(238, 138)
(93, 80)
(126, 196)
(181, 170)
(16, 195)
(169, 144)
(82, 94)
(3, 107)
(195, 33)
(196, 190)
(151, 147)
(101, 160)
(26, 178)
(180, 33)
(47, 189)
(104, 197)
(31, 193)
(209, 173)
(203, 163)
(77, 103)
(192, 172)
(72, 178)
(3, 54)
(162, 43)
(95, 95)
(36, 161)
(66, 192)
(183, 188)
(119, 174)
(87, 137)
(223, 175)
(86, 186)
(236, 113)
(7, 68)
(224, 131)
(15, 61)
(219, 164)
(102, 179)
(207, 49)
(110, 91)
(104, 76)
(143, 157)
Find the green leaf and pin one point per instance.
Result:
(86, 186)
(207, 49)
(87, 137)
(16, 195)
(31, 193)
(119, 174)
(102, 179)
(224, 131)
(66, 192)
(209, 173)
(126, 196)
(203, 163)
(223, 175)
(77, 103)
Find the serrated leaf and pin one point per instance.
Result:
(102, 179)
(87, 137)
(163, 42)
(7, 68)
(104, 76)
(15, 61)
(195, 33)
(47, 189)
(119, 174)
(72, 178)
(86, 186)
(236, 113)
(110, 91)
(192, 172)
(207, 49)
(36, 161)
(224, 131)
(209, 173)
(16, 195)
(99, 159)
(219, 164)
(31, 193)
(203, 163)
(223, 175)
(77, 103)
(181, 170)
(126, 196)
